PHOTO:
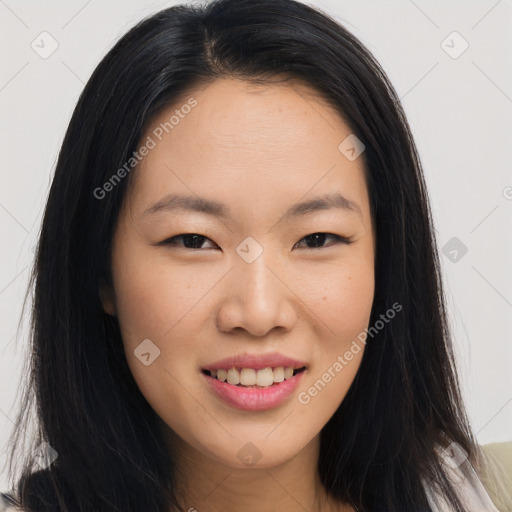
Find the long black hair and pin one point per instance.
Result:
(380, 445)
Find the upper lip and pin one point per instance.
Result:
(256, 361)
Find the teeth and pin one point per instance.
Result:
(279, 374)
(251, 377)
(265, 377)
(248, 377)
(233, 376)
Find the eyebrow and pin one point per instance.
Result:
(202, 205)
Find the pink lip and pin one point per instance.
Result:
(258, 362)
(254, 399)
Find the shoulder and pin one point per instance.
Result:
(497, 473)
(465, 479)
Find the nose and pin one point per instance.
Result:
(257, 299)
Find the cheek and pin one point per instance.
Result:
(159, 302)
(151, 304)
(340, 296)
(149, 300)
(344, 316)
(349, 298)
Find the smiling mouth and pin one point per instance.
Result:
(252, 378)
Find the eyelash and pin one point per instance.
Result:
(337, 240)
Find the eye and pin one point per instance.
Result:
(195, 241)
(190, 240)
(319, 238)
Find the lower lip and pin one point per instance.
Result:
(254, 399)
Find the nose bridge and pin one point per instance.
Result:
(257, 298)
(257, 287)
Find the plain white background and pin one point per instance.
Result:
(459, 108)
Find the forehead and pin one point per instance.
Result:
(233, 110)
(271, 141)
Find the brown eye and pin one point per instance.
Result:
(190, 241)
(318, 239)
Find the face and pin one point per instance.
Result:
(254, 281)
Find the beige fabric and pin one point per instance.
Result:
(497, 474)
(469, 488)
(488, 491)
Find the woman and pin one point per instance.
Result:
(267, 369)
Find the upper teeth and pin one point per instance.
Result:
(252, 377)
